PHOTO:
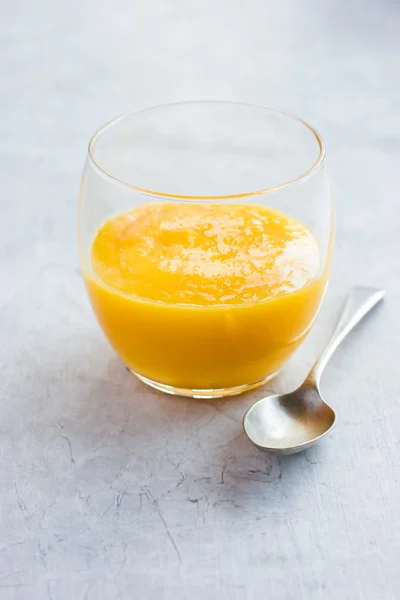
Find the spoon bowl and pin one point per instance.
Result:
(289, 423)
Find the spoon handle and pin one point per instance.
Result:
(360, 301)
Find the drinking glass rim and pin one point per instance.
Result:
(147, 192)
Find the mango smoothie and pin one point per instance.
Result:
(205, 296)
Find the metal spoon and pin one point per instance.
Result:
(292, 422)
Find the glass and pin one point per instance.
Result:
(227, 157)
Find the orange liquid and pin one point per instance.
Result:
(205, 296)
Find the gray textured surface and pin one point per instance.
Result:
(109, 490)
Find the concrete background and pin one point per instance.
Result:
(107, 489)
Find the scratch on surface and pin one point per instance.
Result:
(175, 487)
(196, 501)
(205, 512)
(11, 544)
(42, 554)
(309, 460)
(169, 459)
(154, 502)
(47, 509)
(86, 595)
(188, 457)
(124, 558)
(231, 502)
(11, 574)
(88, 497)
(22, 505)
(49, 592)
(184, 459)
(232, 440)
(221, 412)
(118, 502)
(140, 502)
(206, 479)
(182, 479)
(109, 506)
(71, 457)
(225, 464)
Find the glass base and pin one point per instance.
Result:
(203, 394)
